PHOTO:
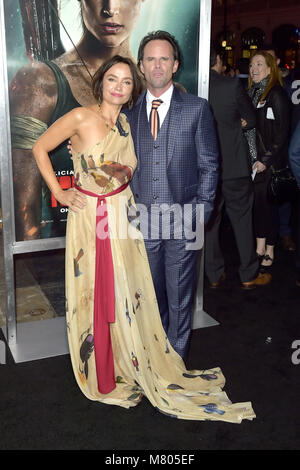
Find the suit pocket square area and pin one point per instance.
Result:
(261, 104)
(270, 114)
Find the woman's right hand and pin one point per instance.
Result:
(259, 166)
(71, 198)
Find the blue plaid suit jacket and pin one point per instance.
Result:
(192, 151)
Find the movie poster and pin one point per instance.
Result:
(44, 30)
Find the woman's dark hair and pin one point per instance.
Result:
(97, 83)
(163, 36)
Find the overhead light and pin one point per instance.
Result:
(224, 43)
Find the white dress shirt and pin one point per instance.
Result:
(164, 107)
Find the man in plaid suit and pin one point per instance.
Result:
(177, 171)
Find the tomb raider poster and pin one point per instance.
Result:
(50, 71)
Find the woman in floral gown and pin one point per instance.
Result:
(118, 347)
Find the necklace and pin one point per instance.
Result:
(108, 125)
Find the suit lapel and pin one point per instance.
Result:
(175, 111)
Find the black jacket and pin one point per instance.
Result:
(273, 127)
(229, 103)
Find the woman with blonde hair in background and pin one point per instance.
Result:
(268, 144)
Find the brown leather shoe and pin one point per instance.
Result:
(216, 285)
(287, 243)
(261, 280)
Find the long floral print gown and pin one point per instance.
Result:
(135, 356)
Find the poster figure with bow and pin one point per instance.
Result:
(54, 48)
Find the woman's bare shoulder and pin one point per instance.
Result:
(83, 116)
(82, 113)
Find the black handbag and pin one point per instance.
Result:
(282, 186)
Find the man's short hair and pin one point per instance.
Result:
(215, 49)
(270, 47)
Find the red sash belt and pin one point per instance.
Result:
(104, 298)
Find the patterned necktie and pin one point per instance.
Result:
(154, 118)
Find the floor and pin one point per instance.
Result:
(256, 344)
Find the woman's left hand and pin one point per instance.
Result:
(71, 198)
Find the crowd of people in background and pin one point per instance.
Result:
(273, 144)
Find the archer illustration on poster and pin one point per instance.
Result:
(54, 47)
